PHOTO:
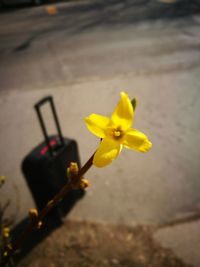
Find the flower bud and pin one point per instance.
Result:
(6, 232)
(134, 103)
(84, 183)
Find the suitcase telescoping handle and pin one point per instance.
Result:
(48, 99)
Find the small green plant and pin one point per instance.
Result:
(5, 226)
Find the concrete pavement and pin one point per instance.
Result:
(158, 62)
(132, 190)
(183, 239)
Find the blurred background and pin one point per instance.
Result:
(84, 53)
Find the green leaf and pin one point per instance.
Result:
(134, 103)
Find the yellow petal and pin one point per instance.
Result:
(123, 113)
(97, 124)
(136, 140)
(108, 150)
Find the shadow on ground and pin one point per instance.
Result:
(52, 221)
(94, 244)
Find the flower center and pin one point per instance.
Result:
(117, 133)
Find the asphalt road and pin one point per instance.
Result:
(85, 54)
(83, 40)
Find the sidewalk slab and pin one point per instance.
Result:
(136, 187)
(184, 240)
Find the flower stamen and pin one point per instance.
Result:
(117, 133)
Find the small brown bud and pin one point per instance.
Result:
(6, 232)
(84, 183)
(33, 215)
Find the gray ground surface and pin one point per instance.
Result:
(84, 56)
(102, 245)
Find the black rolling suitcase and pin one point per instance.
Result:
(45, 166)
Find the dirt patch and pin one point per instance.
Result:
(83, 244)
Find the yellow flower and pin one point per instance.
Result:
(116, 132)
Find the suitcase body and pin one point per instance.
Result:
(45, 167)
